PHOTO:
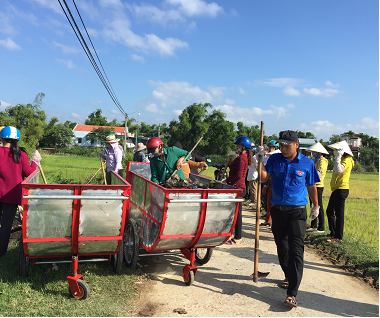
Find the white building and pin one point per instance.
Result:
(81, 132)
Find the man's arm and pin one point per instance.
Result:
(264, 175)
(312, 191)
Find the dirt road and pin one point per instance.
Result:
(223, 288)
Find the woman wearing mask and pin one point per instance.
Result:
(238, 173)
(113, 155)
(321, 163)
(139, 154)
(165, 160)
(13, 169)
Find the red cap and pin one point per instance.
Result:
(153, 143)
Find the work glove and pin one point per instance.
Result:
(36, 157)
(260, 152)
(339, 153)
(314, 212)
(338, 167)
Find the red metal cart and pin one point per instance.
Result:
(188, 220)
(73, 220)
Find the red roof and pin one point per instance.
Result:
(92, 127)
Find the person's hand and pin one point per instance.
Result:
(36, 157)
(179, 163)
(260, 152)
(314, 212)
(339, 153)
(205, 166)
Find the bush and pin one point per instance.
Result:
(80, 151)
(372, 168)
(216, 159)
(358, 168)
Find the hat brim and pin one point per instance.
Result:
(286, 142)
(113, 140)
(151, 150)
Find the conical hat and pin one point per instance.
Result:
(342, 144)
(318, 147)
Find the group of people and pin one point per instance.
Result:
(288, 179)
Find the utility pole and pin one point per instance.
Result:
(125, 133)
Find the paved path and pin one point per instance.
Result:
(223, 288)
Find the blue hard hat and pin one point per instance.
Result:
(244, 141)
(273, 143)
(10, 132)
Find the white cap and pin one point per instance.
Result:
(318, 147)
(342, 144)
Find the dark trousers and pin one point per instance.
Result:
(288, 228)
(335, 212)
(239, 220)
(7, 213)
(320, 220)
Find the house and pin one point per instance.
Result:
(81, 132)
(304, 144)
(354, 141)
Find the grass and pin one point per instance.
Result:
(45, 292)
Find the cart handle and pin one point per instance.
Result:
(204, 200)
(75, 197)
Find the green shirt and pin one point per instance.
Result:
(160, 169)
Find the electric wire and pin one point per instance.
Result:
(89, 55)
(96, 53)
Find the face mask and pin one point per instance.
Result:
(238, 150)
(156, 154)
(315, 154)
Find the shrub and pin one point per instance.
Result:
(216, 159)
(358, 168)
(372, 168)
(80, 151)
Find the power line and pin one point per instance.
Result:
(89, 55)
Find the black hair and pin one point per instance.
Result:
(15, 149)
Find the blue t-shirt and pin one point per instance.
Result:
(290, 178)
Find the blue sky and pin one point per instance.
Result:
(300, 65)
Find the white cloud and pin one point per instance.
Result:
(53, 5)
(116, 4)
(68, 63)
(184, 93)
(251, 116)
(75, 115)
(177, 112)
(4, 105)
(291, 91)
(291, 106)
(242, 91)
(115, 112)
(196, 7)
(6, 24)
(156, 15)
(328, 83)
(323, 92)
(10, 44)
(137, 58)
(152, 108)
(66, 49)
(323, 129)
(282, 82)
(118, 30)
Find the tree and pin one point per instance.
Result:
(57, 135)
(96, 119)
(334, 138)
(219, 136)
(70, 124)
(29, 119)
(307, 135)
(191, 126)
(350, 133)
(368, 141)
(100, 134)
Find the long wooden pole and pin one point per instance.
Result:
(95, 173)
(42, 173)
(104, 174)
(188, 155)
(257, 236)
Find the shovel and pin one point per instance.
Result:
(102, 166)
(256, 274)
(187, 156)
(42, 173)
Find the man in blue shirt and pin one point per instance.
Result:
(294, 176)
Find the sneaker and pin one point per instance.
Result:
(318, 231)
(334, 240)
(310, 229)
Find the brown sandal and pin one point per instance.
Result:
(290, 301)
(285, 283)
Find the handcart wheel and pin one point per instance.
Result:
(190, 278)
(203, 255)
(84, 290)
(131, 244)
(117, 259)
(23, 261)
